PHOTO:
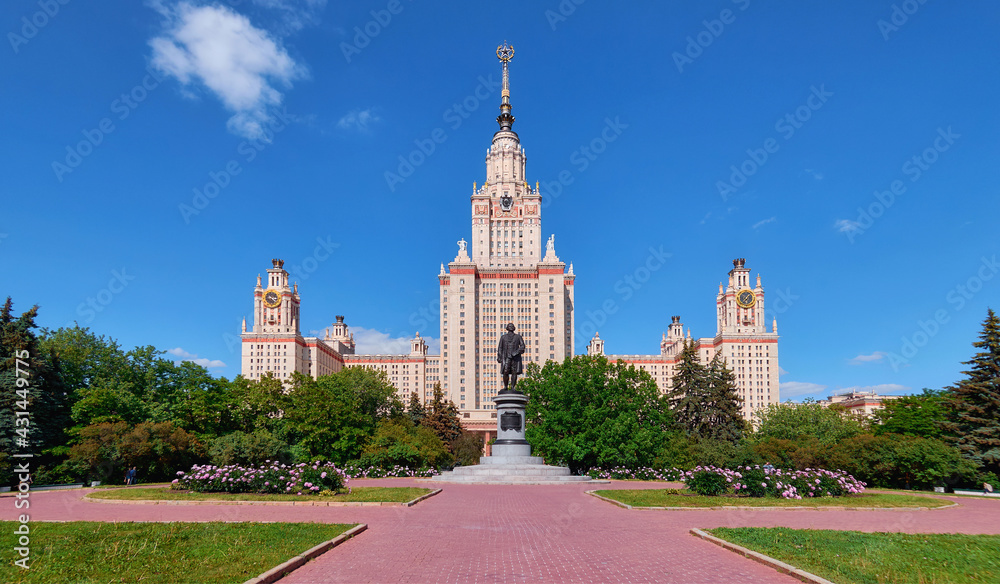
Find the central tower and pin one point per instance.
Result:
(506, 219)
(505, 277)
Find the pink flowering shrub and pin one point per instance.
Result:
(757, 481)
(356, 471)
(270, 477)
(621, 473)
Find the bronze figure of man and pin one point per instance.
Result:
(509, 352)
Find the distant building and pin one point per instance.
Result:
(504, 274)
(862, 403)
(741, 338)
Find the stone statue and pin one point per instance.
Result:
(462, 246)
(550, 247)
(509, 352)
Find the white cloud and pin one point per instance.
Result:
(764, 222)
(373, 342)
(876, 356)
(220, 49)
(789, 389)
(294, 14)
(846, 225)
(358, 120)
(882, 389)
(185, 356)
(781, 370)
(815, 174)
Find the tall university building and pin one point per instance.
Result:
(505, 275)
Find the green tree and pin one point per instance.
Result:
(704, 400)
(973, 424)
(468, 448)
(588, 413)
(31, 381)
(415, 409)
(723, 419)
(790, 421)
(912, 415)
(398, 441)
(157, 450)
(897, 461)
(688, 396)
(251, 448)
(259, 404)
(334, 416)
(443, 417)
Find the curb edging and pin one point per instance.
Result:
(281, 570)
(754, 508)
(760, 558)
(263, 503)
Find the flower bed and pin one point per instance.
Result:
(271, 477)
(620, 473)
(757, 481)
(375, 472)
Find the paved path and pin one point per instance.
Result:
(509, 533)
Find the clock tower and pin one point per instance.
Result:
(276, 306)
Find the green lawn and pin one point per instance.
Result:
(851, 557)
(83, 552)
(670, 498)
(358, 494)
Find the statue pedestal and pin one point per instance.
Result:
(510, 461)
(510, 423)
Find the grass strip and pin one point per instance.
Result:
(86, 552)
(670, 498)
(852, 557)
(357, 495)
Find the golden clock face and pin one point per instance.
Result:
(745, 298)
(272, 298)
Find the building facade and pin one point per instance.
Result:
(741, 339)
(858, 403)
(503, 275)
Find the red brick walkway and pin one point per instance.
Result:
(484, 533)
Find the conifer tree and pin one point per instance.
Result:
(687, 396)
(974, 402)
(442, 417)
(415, 409)
(723, 418)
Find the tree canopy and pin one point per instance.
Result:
(973, 423)
(586, 412)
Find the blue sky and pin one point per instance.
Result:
(157, 155)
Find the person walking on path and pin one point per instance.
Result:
(130, 476)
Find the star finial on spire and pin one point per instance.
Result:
(505, 53)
